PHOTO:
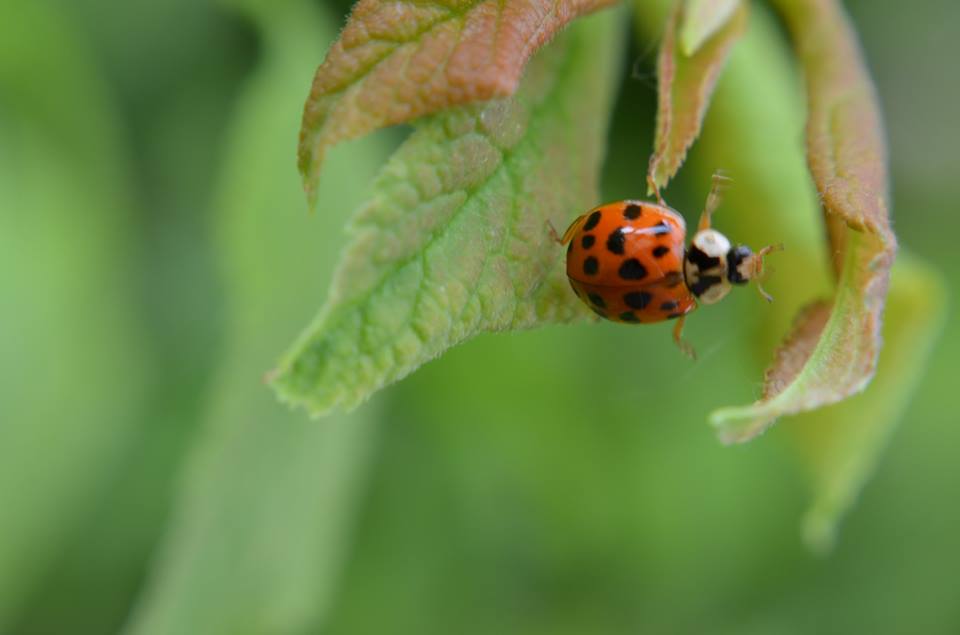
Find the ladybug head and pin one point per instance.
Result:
(712, 265)
(743, 266)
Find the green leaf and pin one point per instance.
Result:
(701, 19)
(397, 61)
(750, 132)
(454, 240)
(830, 355)
(831, 358)
(261, 523)
(842, 443)
(685, 82)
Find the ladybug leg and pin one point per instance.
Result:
(567, 235)
(653, 189)
(684, 345)
(713, 199)
(554, 236)
(757, 270)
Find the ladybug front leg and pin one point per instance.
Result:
(713, 199)
(684, 345)
(567, 235)
(653, 189)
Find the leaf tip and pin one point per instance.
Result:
(269, 376)
(284, 386)
(819, 531)
(739, 424)
(309, 162)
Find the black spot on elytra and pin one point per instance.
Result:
(660, 251)
(702, 260)
(587, 241)
(660, 228)
(631, 269)
(597, 300)
(704, 283)
(637, 299)
(592, 221)
(632, 211)
(615, 241)
(669, 305)
(629, 316)
(590, 266)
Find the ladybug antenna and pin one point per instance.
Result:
(754, 269)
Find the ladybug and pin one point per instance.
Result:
(627, 262)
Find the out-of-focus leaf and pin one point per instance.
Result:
(454, 240)
(71, 367)
(842, 443)
(684, 85)
(846, 154)
(399, 60)
(259, 531)
(701, 19)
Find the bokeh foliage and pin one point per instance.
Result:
(156, 254)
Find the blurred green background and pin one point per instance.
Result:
(156, 258)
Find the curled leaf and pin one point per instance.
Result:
(454, 240)
(841, 444)
(796, 350)
(399, 60)
(685, 83)
(847, 157)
